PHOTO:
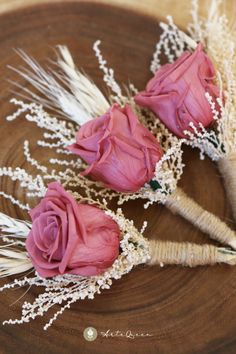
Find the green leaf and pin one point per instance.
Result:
(154, 185)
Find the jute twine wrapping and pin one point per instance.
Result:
(179, 202)
(187, 254)
(227, 167)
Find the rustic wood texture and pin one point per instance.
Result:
(180, 10)
(185, 310)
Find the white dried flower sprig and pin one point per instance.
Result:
(60, 130)
(31, 160)
(34, 185)
(15, 201)
(109, 78)
(69, 177)
(172, 43)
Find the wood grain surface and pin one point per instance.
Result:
(180, 10)
(184, 310)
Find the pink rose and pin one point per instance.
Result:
(120, 152)
(177, 92)
(67, 237)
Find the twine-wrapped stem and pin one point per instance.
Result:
(227, 167)
(188, 254)
(178, 202)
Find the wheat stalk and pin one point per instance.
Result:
(14, 227)
(70, 93)
(13, 261)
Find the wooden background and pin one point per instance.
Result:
(180, 9)
(185, 310)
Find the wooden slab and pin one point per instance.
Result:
(185, 310)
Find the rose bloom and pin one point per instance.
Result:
(176, 94)
(120, 152)
(67, 237)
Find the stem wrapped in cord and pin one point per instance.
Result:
(227, 167)
(178, 202)
(188, 254)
